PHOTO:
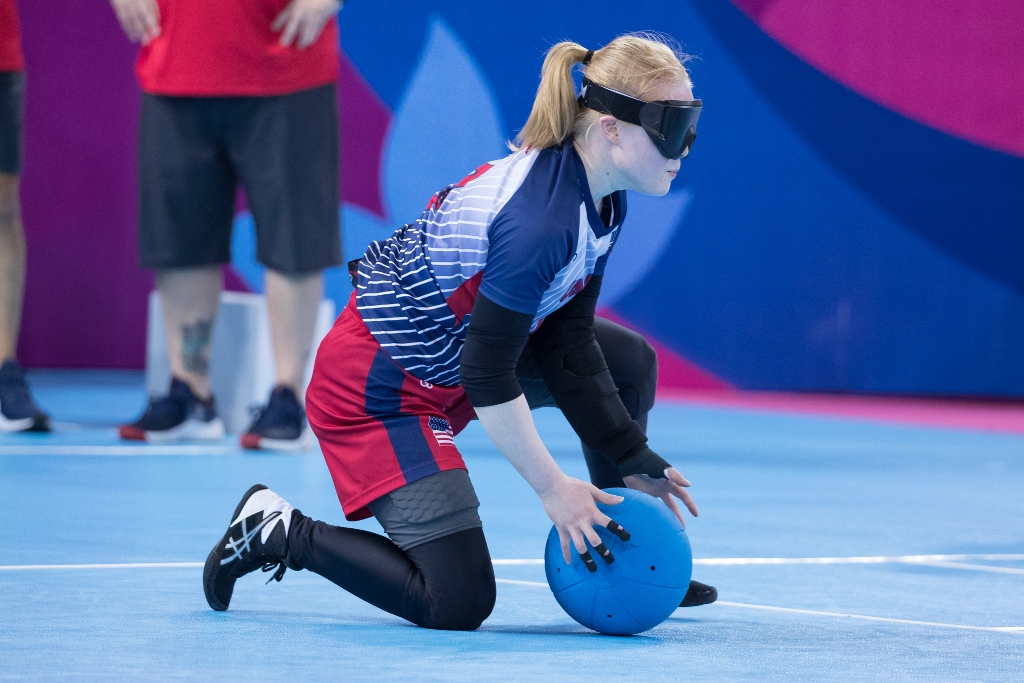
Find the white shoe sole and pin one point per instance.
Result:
(190, 430)
(18, 425)
(299, 444)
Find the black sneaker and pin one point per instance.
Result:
(178, 416)
(18, 412)
(699, 594)
(280, 425)
(256, 538)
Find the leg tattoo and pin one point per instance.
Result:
(195, 345)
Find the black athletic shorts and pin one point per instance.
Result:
(12, 99)
(282, 149)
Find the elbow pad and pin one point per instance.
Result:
(579, 380)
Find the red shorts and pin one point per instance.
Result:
(379, 427)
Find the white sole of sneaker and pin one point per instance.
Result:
(18, 425)
(299, 444)
(190, 430)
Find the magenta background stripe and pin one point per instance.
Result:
(953, 65)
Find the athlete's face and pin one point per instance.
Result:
(639, 163)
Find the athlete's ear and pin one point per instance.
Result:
(609, 126)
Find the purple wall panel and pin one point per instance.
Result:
(85, 300)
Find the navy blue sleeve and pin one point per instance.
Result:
(522, 261)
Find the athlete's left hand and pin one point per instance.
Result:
(302, 21)
(668, 489)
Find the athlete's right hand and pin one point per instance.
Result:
(140, 19)
(570, 503)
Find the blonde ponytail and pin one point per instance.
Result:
(630, 64)
(554, 108)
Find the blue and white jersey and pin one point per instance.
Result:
(523, 231)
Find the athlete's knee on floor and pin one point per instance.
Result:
(461, 609)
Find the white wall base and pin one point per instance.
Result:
(241, 355)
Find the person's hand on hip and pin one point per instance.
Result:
(302, 21)
(140, 19)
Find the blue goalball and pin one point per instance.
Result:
(645, 583)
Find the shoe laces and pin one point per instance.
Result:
(279, 574)
(256, 413)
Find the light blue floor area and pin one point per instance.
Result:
(768, 486)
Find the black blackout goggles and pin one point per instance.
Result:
(671, 124)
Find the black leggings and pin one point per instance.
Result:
(445, 584)
(448, 583)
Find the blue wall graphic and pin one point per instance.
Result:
(815, 239)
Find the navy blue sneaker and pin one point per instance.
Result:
(178, 416)
(256, 538)
(281, 425)
(18, 412)
(699, 594)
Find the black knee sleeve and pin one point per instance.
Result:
(633, 364)
(458, 581)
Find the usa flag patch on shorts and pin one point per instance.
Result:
(442, 431)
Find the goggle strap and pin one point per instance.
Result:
(607, 101)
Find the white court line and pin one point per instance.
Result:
(948, 561)
(128, 565)
(119, 449)
(973, 567)
(875, 559)
(998, 629)
(934, 624)
(516, 582)
(179, 565)
(537, 584)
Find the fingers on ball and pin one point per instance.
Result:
(617, 529)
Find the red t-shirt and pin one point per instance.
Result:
(11, 58)
(226, 47)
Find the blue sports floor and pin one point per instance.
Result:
(842, 550)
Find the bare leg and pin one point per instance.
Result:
(292, 303)
(189, 297)
(12, 265)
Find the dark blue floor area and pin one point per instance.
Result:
(768, 486)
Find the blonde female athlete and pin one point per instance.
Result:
(484, 307)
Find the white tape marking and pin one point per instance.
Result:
(973, 567)
(515, 582)
(947, 561)
(120, 450)
(817, 613)
(130, 565)
(537, 584)
(935, 624)
(877, 559)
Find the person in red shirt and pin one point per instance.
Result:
(235, 91)
(18, 412)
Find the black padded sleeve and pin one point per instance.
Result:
(576, 374)
(494, 341)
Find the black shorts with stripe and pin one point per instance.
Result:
(283, 150)
(12, 102)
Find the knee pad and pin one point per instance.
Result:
(463, 609)
(639, 380)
